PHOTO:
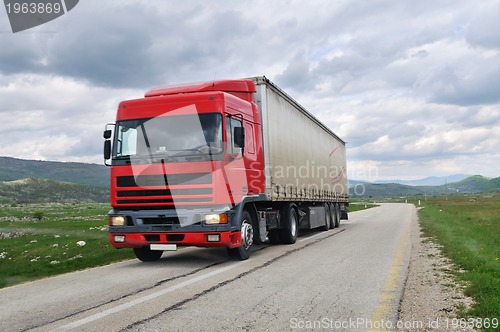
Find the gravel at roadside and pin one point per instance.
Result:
(432, 296)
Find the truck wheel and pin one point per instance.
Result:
(332, 215)
(327, 218)
(247, 233)
(274, 236)
(337, 215)
(290, 233)
(147, 255)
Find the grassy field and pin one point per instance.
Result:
(468, 228)
(40, 240)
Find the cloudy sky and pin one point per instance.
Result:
(412, 86)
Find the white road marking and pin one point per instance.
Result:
(152, 296)
(146, 298)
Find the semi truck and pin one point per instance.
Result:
(225, 163)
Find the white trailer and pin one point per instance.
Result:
(304, 160)
(305, 164)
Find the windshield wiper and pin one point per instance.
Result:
(203, 149)
(162, 157)
(154, 158)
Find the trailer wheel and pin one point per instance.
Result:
(290, 233)
(328, 218)
(247, 233)
(274, 236)
(147, 255)
(337, 215)
(332, 215)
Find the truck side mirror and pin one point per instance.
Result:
(239, 137)
(107, 144)
(107, 149)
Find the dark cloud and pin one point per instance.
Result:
(405, 83)
(297, 75)
(133, 45)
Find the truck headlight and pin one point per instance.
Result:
(116, 221)
(216, 218)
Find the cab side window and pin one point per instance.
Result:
(231, 123)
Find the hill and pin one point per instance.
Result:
(81, 173)
(472, 184)
(430, 181)
(62, 179)
(43, 190)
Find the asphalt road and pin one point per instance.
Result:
(350, 278)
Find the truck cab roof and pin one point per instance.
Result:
(243, 88)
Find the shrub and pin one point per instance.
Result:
(38, 215)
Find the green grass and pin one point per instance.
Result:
(41, 240)
(469, 230)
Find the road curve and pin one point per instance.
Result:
(350, 279)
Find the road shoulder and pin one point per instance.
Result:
(432, 295)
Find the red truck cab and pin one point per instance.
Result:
(183, 158)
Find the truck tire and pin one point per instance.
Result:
(337, 215)
(145, 254)
(274, 236)
(247, 233)
(289, 234)
(328, 217)
(332, 215)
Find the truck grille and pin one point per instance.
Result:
(159, 180)
(167, 192)
(135, 190)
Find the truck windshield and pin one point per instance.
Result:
(191, 137)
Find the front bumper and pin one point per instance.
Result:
(179, 227)
(198, 239)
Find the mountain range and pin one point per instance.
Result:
(471, 184)
(430, 181)
(81, 173)
(42, 181)
(33, 181)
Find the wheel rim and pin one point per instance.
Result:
(246, 234)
